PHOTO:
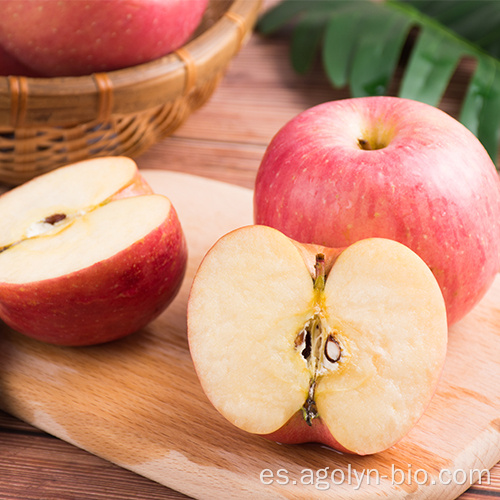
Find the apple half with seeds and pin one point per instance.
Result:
(88, 253)
(301, 343)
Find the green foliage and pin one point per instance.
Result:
(361, 42)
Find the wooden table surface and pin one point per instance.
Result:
(225, 140)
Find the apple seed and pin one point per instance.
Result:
(332, 349)
(303, 343)
(54, 218)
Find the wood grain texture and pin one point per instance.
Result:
(38, 466)
(137, 402)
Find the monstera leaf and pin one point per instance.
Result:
(361, 43)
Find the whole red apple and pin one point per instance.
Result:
(77, 37)
(392, 168)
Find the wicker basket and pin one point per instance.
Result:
(49, 122)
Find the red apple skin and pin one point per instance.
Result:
(10, 66)
(432, 186)
(79, 37)
(106, 301)
(297, 431)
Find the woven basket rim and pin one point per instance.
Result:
(29, 101)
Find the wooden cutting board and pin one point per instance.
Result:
(137, 402)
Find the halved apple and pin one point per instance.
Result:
(88, 253)
(303, 343)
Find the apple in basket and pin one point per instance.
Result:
(88, 253)
(392, 168)
(304, 343)
(9, 65)
(79, 37)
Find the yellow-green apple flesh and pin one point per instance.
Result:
(79, 37)
(302, 343)
(88, 253)
(392, 168)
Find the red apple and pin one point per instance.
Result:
(87, 253)
(78, 37)
(9, 65)
(392, 168)
(302, 343)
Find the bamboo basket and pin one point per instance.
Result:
(49, 122)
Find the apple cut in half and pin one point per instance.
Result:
(88, 253)
(302, 343)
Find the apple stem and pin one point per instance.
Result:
(319, 278)
(364, 145)
(309, 410)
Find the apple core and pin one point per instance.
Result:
(317, 342)
(44, 226)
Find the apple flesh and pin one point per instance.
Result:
(78, 37)
(302, 343)
(88, 253)
(392, 168)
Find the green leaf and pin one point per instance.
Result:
(287, 10)
(481, 108)
(477, 21)
(361, 43)
(306, 40)
(368, 61)
(432, 63)
(278, 16)
(341, 39)
(378, 50)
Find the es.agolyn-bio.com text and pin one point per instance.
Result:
(327, 477)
